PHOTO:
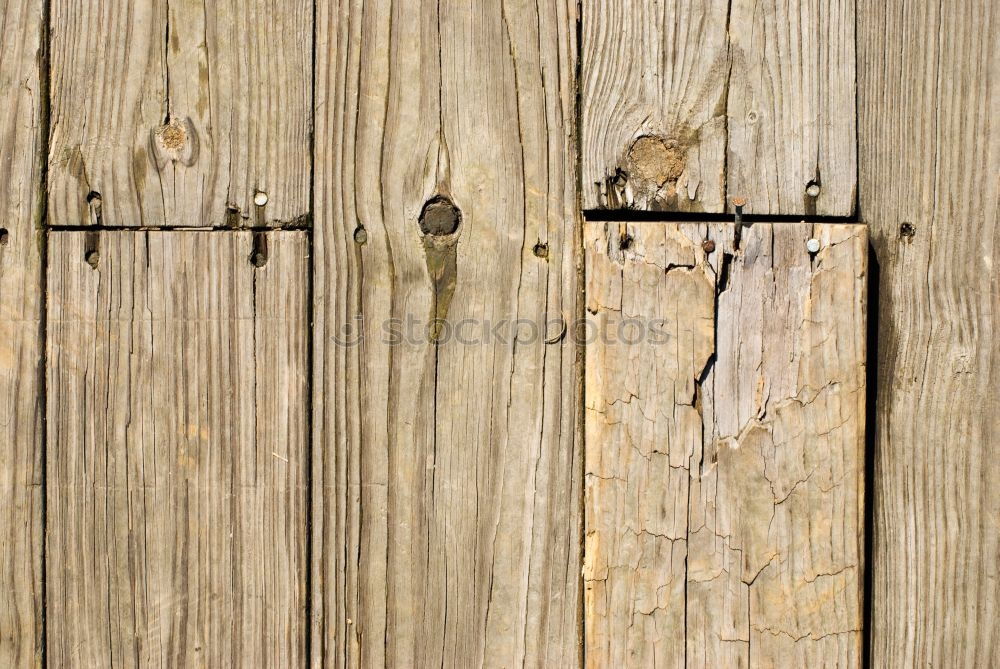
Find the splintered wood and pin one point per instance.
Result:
(725, 400)
(686, 105)
(179, 113)
(177, 499)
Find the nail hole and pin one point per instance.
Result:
(907, 230)
(541, 250)
(752, 117)
(92, 258)
(93, 196)
(4, 237)
(625, 241)
(440, 217)
(360, 235)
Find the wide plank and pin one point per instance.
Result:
(22, 244)
(178, 113)
(725, 406)
(177, 468)
(687, 105)
(930, 149)
(447, 459)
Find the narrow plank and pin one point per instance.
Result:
(21, 412)
(930, 146)
(725, 399)
(178, 113)
(176, 488)
(688, 104)
(448, 528)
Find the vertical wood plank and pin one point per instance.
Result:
(168, 112)
(21, 413)
(930, 146)
(448, 528)
(725, 398)
(686, 104)
(177, 468)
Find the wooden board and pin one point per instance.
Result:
(448, 528)
(930, 146)
(725, 399)
(686, 105)
(167, 112)
(177, 450)
(21, 405)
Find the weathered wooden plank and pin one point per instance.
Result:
(176, 488)
(448, 528)
(687, 104)
(930, 146)
(169, 112)
(725, 399)
(21, 245)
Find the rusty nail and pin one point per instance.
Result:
(708, 246)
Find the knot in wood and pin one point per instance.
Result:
(440, 217)
(657, 160)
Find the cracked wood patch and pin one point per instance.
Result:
(724, 431)
(176, 492)
(686, 105)
(180, 113)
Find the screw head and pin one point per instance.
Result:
(812, 246)
(260, 198)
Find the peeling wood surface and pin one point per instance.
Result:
(21, 404)
(688, 104)
(725, 400)
(930, 147)
(448, 474)
(177, 417)
(175, 113)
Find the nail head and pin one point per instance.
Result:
(812, 246)
(92, 258)
(708, 246)
(812, 189)
(360, 235)
(260, 198)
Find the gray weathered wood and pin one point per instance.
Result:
(930, 148)
(448, 525)
(177, 429)
(170, 112)
(21, 244)
(686, 104)
(725, 400)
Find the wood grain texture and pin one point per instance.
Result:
(21, 413)
(688, 104)
(448, 528)
(725, 400)
(171, 112)
(930, 147)
(177, 459)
